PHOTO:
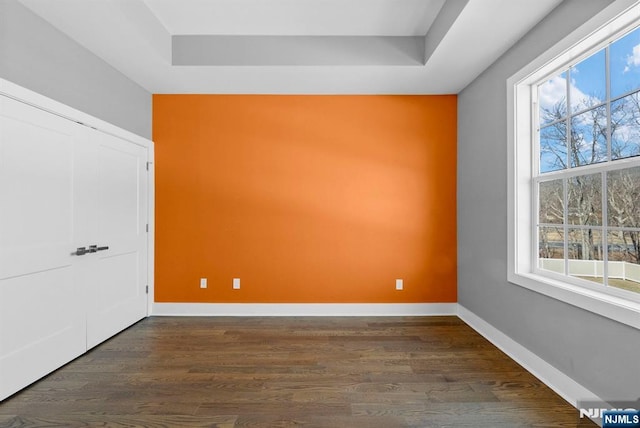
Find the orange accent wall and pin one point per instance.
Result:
(306, 199)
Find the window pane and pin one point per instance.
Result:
(623, 197)
(551, 249)
(624, 63)
(588, 86)
(624, 256)
(553, 147)
(625, 127)
(585, 254)
(552, 99)
(584, 194)
(551, 197)
(589, 137)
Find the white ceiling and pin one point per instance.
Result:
(297, 46)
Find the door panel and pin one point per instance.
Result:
(118, 295)
(119, 169)
(40, 326)
(36, 190)
(41, 306)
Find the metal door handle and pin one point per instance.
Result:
(80, 251)
(95, 248)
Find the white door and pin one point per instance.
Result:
(42, 321)
(118, 292)
(73, 244)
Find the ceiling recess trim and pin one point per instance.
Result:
(297, 50)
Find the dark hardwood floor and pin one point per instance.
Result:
(282, 372)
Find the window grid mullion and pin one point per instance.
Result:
(535, 156)
(607, 76)
(565, 223)
(568, 119)
(605, 231)
(535, 250)
(605, 208)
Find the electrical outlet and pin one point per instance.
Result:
(399, 284)
(203, 282)
(236, 283)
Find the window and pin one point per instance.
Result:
(587, 180)
(574, 216)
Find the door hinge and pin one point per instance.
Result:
(147, 228)
(148, 165)
(147, 289)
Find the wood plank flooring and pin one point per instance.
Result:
(302, 371)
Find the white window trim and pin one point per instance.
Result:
(521, 217)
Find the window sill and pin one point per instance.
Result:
(608, 306)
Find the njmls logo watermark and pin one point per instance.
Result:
(612, 414)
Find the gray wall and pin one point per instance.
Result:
(600, 354)
(37, 56)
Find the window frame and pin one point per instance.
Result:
(614, 20)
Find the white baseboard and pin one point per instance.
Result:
(559, 382)
(303, 309)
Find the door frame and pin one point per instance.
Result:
(52, 106)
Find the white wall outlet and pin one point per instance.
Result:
(236, 283)
(203, 282)
(399, 284)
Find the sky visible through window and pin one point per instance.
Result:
(588, 77)
(625, 64)
(587, 89)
